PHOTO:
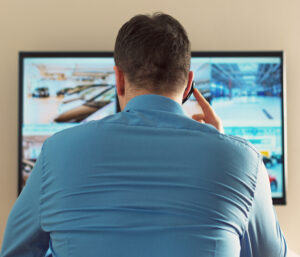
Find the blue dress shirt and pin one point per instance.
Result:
(145, 182)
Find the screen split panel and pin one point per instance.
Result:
(60, 91)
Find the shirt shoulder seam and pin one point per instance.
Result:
(240, 140)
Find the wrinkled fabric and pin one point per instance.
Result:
(145, 182)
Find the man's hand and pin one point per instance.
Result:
(209, 116)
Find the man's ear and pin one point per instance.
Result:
(120, 81)
(189, 84)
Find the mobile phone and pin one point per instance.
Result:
(190, 93)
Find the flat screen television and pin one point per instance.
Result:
(58, 90)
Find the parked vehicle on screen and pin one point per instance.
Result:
(64, 91)
(273, 183)
(269, 161)
(85, 93)
(27, 167)
(79, 113)
(41, 92)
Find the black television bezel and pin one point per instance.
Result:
(207, 54)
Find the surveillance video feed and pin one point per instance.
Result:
(59, 93)
(246, 92)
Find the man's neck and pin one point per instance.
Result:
(175, 97)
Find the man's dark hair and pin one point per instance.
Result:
(154, 52)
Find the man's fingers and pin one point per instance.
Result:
(201, 121)
(200, 116)
(201, 100)
(209, 116)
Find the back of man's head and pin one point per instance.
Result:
(153, 51)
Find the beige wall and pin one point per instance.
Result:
(93, 25)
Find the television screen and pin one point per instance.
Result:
(246, 91)
(63, 89)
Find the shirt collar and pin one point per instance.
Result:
(154, 102)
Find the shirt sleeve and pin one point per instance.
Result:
(263, 236)
(24, 235)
